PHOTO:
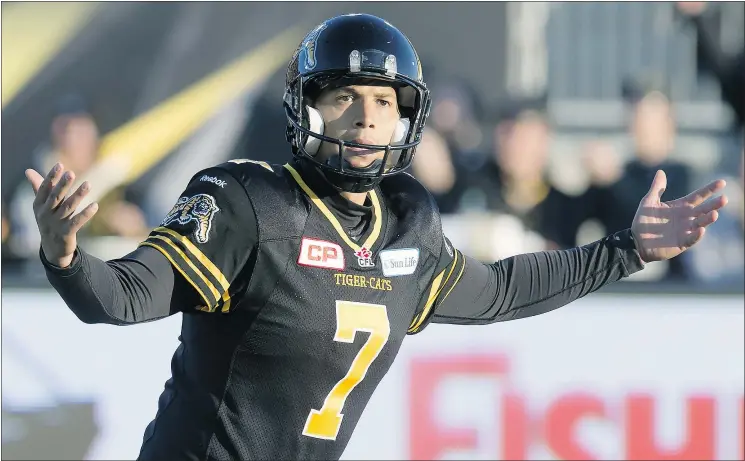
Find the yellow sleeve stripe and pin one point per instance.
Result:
(183, 273)
(265, 165)
(434, 292)
(190, 248)
(257, 162)
(198, 255)
(210, 304)
(457, 279)
(210, 286)
(226, 301)
(432, 295)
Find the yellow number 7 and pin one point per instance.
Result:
(351, 317)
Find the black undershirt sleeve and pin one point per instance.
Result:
(529, 284)
(140, 287)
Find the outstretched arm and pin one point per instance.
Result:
(190, 262)
(531, 284)
(470, 292)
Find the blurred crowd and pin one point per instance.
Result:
(491, 171)
(508, 194)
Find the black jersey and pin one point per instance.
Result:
(307, 320)
(295, 303)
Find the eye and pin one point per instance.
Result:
(345, 98)
(384, 102)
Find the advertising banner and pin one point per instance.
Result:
(609, 377)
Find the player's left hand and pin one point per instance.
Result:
(663, 230)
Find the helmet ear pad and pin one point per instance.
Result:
(313, 121)
(401, 131)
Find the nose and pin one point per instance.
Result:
(364, 116)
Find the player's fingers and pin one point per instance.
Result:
(710, 205)
(694, 237)
(80, 219)
(706, 219)
(58, 193)
(68, 207)
(659, 184)
(698, 197)
(46, 186)
(35, 179)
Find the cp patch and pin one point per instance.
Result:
(200, 209)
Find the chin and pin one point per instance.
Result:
(363, 161)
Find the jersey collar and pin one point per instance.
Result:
(314, 198)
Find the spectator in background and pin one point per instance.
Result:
(602, 163)
(433, 167)
(74, 142)
(453, 138)
(514, 180)
(455, 116)
(653, 131)
(604, 168)
(9, 258)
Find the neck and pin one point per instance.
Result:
(357, 198)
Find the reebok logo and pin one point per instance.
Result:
(213, 180)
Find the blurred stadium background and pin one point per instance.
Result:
(549, 121)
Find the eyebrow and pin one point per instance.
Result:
(378, 94)
(385, 95)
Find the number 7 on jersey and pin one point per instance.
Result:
(351, 317)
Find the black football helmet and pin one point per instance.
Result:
(354, 49)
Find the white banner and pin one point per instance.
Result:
(610, 377)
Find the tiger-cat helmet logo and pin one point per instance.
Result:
(310, 45)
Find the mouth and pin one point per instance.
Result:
(361, 151)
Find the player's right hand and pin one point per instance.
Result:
(55, 212)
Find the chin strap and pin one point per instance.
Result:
(344, 183)
(333, 162)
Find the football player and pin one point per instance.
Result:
(299, 282)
